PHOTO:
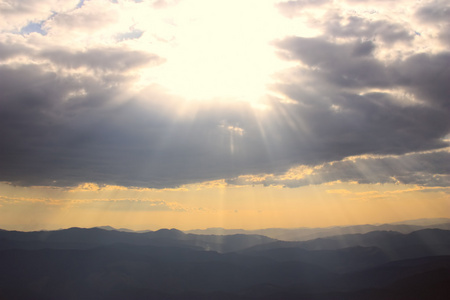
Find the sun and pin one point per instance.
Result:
(219, 50)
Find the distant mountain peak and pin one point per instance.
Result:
(169, 233)
(107, 227)
(424, 221)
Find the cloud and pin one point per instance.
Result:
(117, 204)
(93, 187)
(417, 169)
(92, 16)
(425, 76)
(129, 205)
(72, 111)
(436, 14)
(434, 11)
(107, 136)
(361, 28)
(160, 4)
(294, 8)
(11, 50)
(94, 137)
(422, 169)
(356, 109)
(352, 65)
(346, 65)
(108, 59)
(9, 201)
(18, 13)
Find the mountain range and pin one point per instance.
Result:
(306, 233)
(95, 263)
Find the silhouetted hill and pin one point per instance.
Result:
(80, 238)
(168, 264)
(418, 279)
(100, 272)
(397, 273)
(426, 242)
(340, 260)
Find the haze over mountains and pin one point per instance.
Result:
(95, 263)
(306, 233)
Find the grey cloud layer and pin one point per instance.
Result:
(360, 28)
(104, 59)
(437, 13)
(424, 169)
(95, 137)
(67, 128)
(352, 65)
(100, 59)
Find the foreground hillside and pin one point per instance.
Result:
(168, 264)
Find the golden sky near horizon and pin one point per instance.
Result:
(218, 205)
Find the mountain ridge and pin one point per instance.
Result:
(308, 233)
(94, 263)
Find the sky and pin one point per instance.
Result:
(237, 114)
